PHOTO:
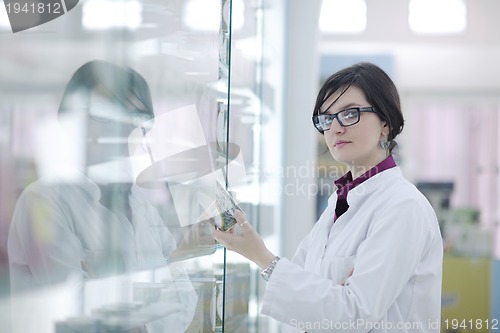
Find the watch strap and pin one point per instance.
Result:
(266, 272)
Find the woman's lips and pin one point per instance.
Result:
(341, 143)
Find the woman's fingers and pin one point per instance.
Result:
(243, 239)
(239, 216)
(221, 236)
(233, 239)
(347, 276)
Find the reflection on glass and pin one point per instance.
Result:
(115, 216)
(91, 221)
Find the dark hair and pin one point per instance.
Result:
(123, 85)
(378, 88)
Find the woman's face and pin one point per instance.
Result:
(356, 145)
(108, 129)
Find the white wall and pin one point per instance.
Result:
(301, 85)
(464, 62)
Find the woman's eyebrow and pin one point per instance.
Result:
(350, 105)
(344, 107)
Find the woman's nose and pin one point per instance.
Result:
(336, 127)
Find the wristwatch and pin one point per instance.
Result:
(266, 273)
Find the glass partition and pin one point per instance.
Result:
(128, 131)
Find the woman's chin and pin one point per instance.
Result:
(342, 158)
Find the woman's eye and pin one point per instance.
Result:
(325, 119)
(349, 114)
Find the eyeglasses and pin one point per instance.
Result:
(347, 117)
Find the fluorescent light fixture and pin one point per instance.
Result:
(202, 15)
(437, 16)
(109, 14)
(205, 15)
(343, 17)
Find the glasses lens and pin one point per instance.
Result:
(348, 117)
(323, 121)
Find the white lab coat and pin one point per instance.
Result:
(59, 228)
(391, 237)
(60, 231)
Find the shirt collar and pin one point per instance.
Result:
(346, 183)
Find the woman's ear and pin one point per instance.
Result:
(386, 129)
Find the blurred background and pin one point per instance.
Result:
(247, 72)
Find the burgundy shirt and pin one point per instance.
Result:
(345, 184)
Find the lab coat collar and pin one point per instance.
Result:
(381, 179)
(346, 183)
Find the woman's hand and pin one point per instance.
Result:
(243, 239)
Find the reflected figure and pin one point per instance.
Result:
(93, 221)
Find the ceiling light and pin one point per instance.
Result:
(437, 16)
(202, 15)
(205, 15)
(343, 17)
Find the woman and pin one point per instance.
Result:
(96, 223)
(373, 260)
(82, 211)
